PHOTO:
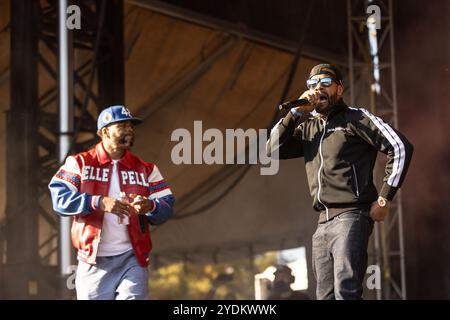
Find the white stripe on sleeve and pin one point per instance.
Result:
(395, 141)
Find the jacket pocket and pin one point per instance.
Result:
(355, 181)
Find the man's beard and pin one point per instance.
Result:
(325, 106)
(126, 140)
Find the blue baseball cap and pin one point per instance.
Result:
(115, 114)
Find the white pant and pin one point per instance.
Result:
(112, 278)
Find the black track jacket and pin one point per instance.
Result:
(340, 152)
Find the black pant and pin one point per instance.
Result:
(339, 252)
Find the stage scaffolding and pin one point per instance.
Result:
(372, 84)
(30, 246)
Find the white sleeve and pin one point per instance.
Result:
(157, 185)
(69, 174)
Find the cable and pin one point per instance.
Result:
(217, 199)
(294, 64)
(292, 72)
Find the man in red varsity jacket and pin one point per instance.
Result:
(112, 196)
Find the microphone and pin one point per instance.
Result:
(122, 140)
(292, 104)
(126, 140)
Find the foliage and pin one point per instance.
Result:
(222, 281)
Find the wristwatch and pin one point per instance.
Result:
(381, 201)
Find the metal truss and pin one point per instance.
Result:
(375, 48)
(86, 103)
(91, 55)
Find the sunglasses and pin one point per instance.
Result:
(326, 82)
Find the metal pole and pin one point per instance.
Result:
(373, 73)
(350, 52)
(65, 127)
(399, 198)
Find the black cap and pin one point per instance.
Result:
(328, 69)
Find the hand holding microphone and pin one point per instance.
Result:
(305, 103)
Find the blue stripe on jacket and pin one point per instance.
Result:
(160, 185)
(163, 210)
(67, 202)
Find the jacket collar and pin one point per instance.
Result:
(103, 157)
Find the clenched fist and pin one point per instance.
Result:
(378, 213)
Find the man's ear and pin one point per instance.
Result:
(340, 89)
(103, 132)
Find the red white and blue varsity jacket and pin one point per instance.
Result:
(78, 185)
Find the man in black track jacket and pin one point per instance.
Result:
(340, 145)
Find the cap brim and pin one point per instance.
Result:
(135, 120)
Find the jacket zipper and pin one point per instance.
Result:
(321, 166)
(356, 180)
